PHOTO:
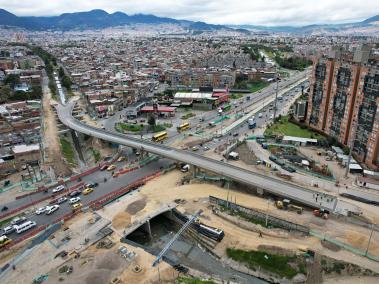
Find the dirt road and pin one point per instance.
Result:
(50, 137)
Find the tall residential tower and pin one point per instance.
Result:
(344, 99)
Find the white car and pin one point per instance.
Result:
(260, 115)
(52, 209)
(271, 116)
(74, 200)
(58, 188)
(41, 210)
(61, 200)
(9, 229)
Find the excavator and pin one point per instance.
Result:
(285, 204)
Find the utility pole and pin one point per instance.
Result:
(276, 91)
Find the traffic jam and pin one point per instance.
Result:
(19, 225)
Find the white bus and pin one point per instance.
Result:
(25, 226)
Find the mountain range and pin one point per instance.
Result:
(96, 19)
(99, 19)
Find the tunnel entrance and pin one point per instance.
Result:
(160, 226)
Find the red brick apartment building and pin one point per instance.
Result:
(344, 100)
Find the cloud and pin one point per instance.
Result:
(258, 12)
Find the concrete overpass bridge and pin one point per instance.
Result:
(266, 183)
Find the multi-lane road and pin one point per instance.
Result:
(267, 183)
(103, 188)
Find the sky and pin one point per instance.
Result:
(257, 12)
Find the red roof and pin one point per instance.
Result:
(219, 94)
(160, 109)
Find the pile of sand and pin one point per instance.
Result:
(121, 220)
(136, 206)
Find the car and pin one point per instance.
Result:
(41, 210)
(121, 158)
(104, 167)
(62, 200)
(91, 184)
(74, 200)
(195, 148)
(205, 148)
(137, 153)
(59, 188)
(52, 209)
(271, 116)
(8, 230)
(111, 167)
(260, 115)
(88, 190)
(18, 220)
(77, 206)
(75, 193)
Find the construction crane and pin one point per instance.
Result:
(177, 235)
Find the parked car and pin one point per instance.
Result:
(74, 200)
(88, 190)
(41, 210)
(52, 209)
(75, 193)
(111, 167)
(58, 188)
(103, 167)
(195, 148)
(121, 158)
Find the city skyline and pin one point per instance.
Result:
(275, 13)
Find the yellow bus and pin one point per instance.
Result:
(160, 136)
(4, 240)
(183, 127)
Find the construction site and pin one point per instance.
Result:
(119, 243)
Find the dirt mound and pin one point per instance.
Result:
(136, 206)
(110, 261)
(330, 245)
(99, 276)
(121, 220)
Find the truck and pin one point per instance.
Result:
(252, 123)
(286, 204)
(322, 213)
(233, 156)
(185, 168)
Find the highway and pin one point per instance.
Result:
(268, 183)
(103, 188)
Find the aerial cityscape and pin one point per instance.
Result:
(192, 142)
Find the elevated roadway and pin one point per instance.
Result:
(277, 187)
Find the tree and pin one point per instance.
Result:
(12, 80)
(61, 72)
(66, 82)
(5, 94)
(151, 120)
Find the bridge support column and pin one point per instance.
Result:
(148, 228)
(195, 171)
